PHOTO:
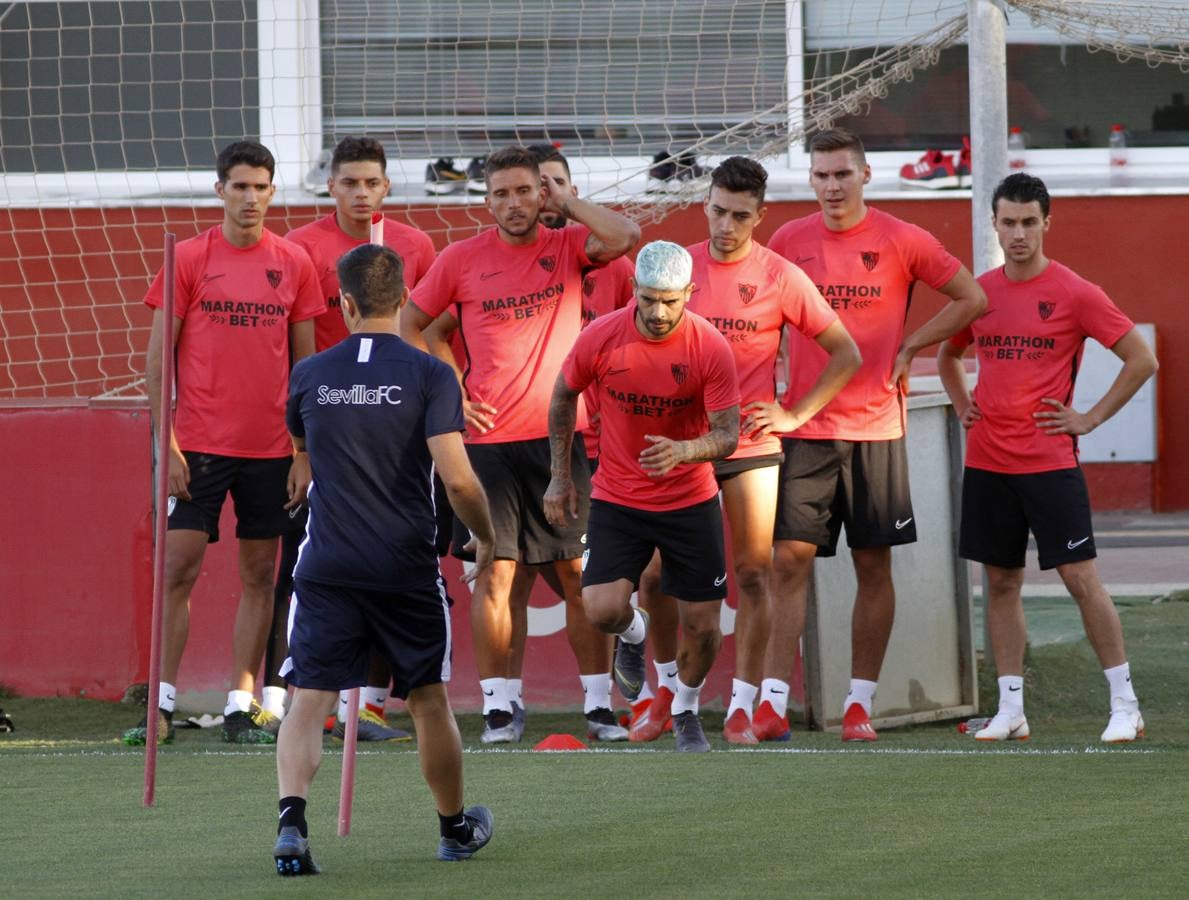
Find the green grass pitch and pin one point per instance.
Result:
(924, 813)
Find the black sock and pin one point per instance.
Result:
(455, 826)
(293, 812)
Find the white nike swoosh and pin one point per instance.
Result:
(283, 811)
(1073, 545)
(718, 581)
(900, 524)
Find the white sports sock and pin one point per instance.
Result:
(516, 691)
(597, 691)
(237, 701)
(686, 698)
(344, 699)
(272, 698)
(1011, 695)
(374, 696)
(495, 695)
(634, 633)
(743, 695)
(861, 692)
(1119, 679)
(666, 674)
(645, 694)
(168, 696)
(776, 692)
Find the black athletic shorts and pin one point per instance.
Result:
(333, 628)
(693, 562)
(726, 469)
(515, 475)
(825, 484)
(259, 489)
(998, 511)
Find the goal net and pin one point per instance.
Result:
(111, 114)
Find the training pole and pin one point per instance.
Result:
(351, 726)
(161, 507)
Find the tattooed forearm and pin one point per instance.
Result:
(563, 415)
(720, 441)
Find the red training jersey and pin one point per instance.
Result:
(326, 243)
(866, 274)
(604, 290)
(236, 306)
(1029, 343)
(749, 301)
(661, 387)
(519, 310)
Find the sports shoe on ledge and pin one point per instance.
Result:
(136, 737)
(1004, 727)
(628, 668)
(372, 728)
(601, 726)
(292, 853)
(482, 823)
(933, 171)
(856, 724)
(766, 725)
(498, 728)
(737, 729)
(687, 729)
(239, 728)
(1125, 725)
(476, 175)
(654, 721)
(442, 178)
(669, 176)
(964, 166)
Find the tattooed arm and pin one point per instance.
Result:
(561, 496)
(720, 441)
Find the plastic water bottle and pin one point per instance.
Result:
(973, 726)
(1117, 143)
(1016, 159)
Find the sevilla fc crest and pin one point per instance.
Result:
(680, 372)
(870, 259)
(588, 286)
(548, 263)
(747, 292)
(274, 277)
(1045, 309)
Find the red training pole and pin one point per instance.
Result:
(347, 782)
(161, 503)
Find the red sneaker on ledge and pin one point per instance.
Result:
(932, 171)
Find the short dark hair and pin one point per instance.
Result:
(1020, 187)
(739, 174)
(838, 139)
(549, 153)
(374, 276)
(511, 158)
(358, 149)
(244, 153)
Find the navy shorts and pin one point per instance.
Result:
(333, 628)
(999, 510)
(826, 484)
(693, 561)
(259, 489)
(726, 469)
(515, 476)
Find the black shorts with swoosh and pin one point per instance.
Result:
(998, 511)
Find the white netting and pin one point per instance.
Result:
(111, 114)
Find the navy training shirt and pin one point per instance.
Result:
(366, 408)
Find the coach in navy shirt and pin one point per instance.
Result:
(371, 420)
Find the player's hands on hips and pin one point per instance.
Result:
(762, 419)
(898, 380)
(300, 476)
(662, 456)
(1062, 419)
(179, 475)
(484, 555)
(561, 497)
(479, 416)
(970, 414)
